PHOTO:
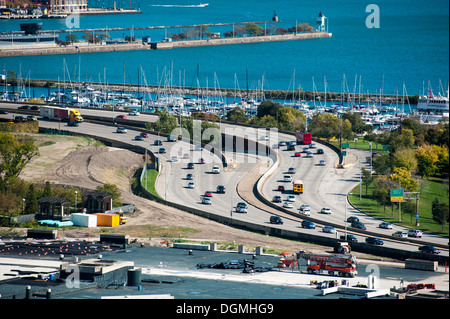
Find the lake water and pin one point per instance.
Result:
(408, 52)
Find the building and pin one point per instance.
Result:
(53, 208)
(97, 202)
(65, 5)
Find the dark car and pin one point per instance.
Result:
(276, 220)
(221, 189)
(352, 219)
(429, 249)
(349, 238)
(359, 225)
(374, 241)
(157, 142)
(277, 199)
(319, 151)
(161, 150)
(190, 165)
(138, 138)
(3, 112)
(20, 118)
(145, 135)
(281, 188)
(35, 107)
(73, 124)
(24, 107)
(308, 224)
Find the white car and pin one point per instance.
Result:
(322, 163)
(287, 178)
(326, 210)
(134, 113)
(264, 138)
(291, 198)
(305, 210)
(121, 129)
(401, 234)
(288, 205)
(305, 149)
(215, 169)
(329, 229)
(191, 185)
(385, 225)
(312, 145)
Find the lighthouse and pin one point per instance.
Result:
(320, 25)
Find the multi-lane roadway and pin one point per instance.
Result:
(325, 185)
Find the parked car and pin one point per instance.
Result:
(329, 229)
(121, 129)
(429, 249)
(281, 188)
(277, 199)
(206, 200)
(189, 176)
(157, 143)
(190, 165)
(292, 170)
(161, 150)
(385, 225)
(241, 207)
(208, 194)
(121, 117)
(326, 210)
(287, 204)
(291, 198)
(308, 224)
(191, 185)
(401, 234)
(359, 225)
(349, 237)
(374, 241)
(352, 219)
(144, 134)
(138, 138)
(221, 189)
(276, 220)
(415, 233)
(298, 154)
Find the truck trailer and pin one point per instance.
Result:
(303, 137)
(61, 114)
(341, 265)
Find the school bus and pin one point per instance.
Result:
(298, 186)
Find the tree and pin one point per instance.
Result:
(14, 156)
(409, 208)
(236, 115)
(406, 180)
(382, 196)
(47, 190)
(367, 178)
(427, 160)
(440, 212)
(253, 29)
(31, 202)
(405, 157)
(72, 38)
(114, 191)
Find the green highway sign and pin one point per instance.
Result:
(396, 195)
(344, 153)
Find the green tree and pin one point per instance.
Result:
(367, 178)
(409, 208)
(440, 212)
(382, 196)
(236, 115)
(253, 29)
(427, 160)
(405, 157)
(114, 191)
(31, 202)
(47, 190)
(72, 38)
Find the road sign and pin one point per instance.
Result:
(344, 153)
(345, 145)
(385, 147)
(396, 195)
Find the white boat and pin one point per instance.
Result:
(437, 105)
(202, 5)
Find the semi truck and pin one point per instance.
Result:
(303, 137)
(61, 114)
(341, 265)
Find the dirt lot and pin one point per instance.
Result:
(84, 163)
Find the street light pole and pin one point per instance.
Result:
(345, 220)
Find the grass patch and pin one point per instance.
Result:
(429, 190)
(148, 181)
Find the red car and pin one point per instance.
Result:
(208, 194)
(298, 154)
(143, 134)
(121, 117)
(281, 188)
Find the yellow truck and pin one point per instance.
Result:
(64, 114)
(298, 186)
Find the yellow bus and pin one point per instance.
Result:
(298, 186)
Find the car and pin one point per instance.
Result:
(215, 169)
(31, 118)
(190, 165)
(171, 138)
(329, 229)
(191, 185)
(322, 163)
(276, 220)
(308, 224)
(292, 170)
(3, 112)
(349, 237)
(221, 189)
(121, 129)
(290, 147)
(201, 160)
(134, 113)
(352, 219)
(206, 200)
(359, 225)
(264, 138)
(281, 143)
(35, 107)
(298, 154)
(277, 199)
(287, 178)
(121, 117)
(190, 176)
(320, 151)
(73, 124)
(326, 210)
(374, 241)
(429, 249)
(20, 118)
(144, 134)
(312, 145)
(306, 149)
(385, 225)
(208, 194)
(161, 150)
(138, 138)
(157, 143)
(281, 188)
(291, 198)
(287, 204)
(309, 154)
(241, 207)
(186, 155)
(174, 158)
(24, 107)
(415, 233)
(305, 210)
(401, 234)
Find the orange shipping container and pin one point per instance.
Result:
(111, 220)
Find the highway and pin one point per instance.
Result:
(325, 186)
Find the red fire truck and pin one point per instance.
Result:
(342, 265)
(303, 137)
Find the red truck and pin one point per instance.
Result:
(342, 265)
(303, 137)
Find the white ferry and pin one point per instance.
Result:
(437, 105)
